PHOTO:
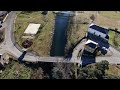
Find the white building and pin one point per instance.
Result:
(31, 30)
(98, 31)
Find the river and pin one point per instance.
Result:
(60, 37)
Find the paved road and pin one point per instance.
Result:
(9, 47)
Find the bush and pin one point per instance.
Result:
(96, 71)
(37, 74)
(98, 74)
(57, 73)
(104, 65)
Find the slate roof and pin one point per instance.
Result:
(98, 28)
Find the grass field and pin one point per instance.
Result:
(114, 39)
(117, 40)
(111, 14)
(113, 70)
(43, 39)
(111, 37)
(76, 31)
(109, 19)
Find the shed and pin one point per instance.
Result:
(31, 30)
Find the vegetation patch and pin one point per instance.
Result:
(111, 14)
(111, 36)
(76, 31)
(114, 39)
(16, 71)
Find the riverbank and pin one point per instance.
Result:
(76, 31)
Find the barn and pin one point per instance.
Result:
(98, 31)
(97, 36)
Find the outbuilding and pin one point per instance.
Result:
(98, 31)
(31, 30)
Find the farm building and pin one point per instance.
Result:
(97, 38)
(98, 31)
(31, 30)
